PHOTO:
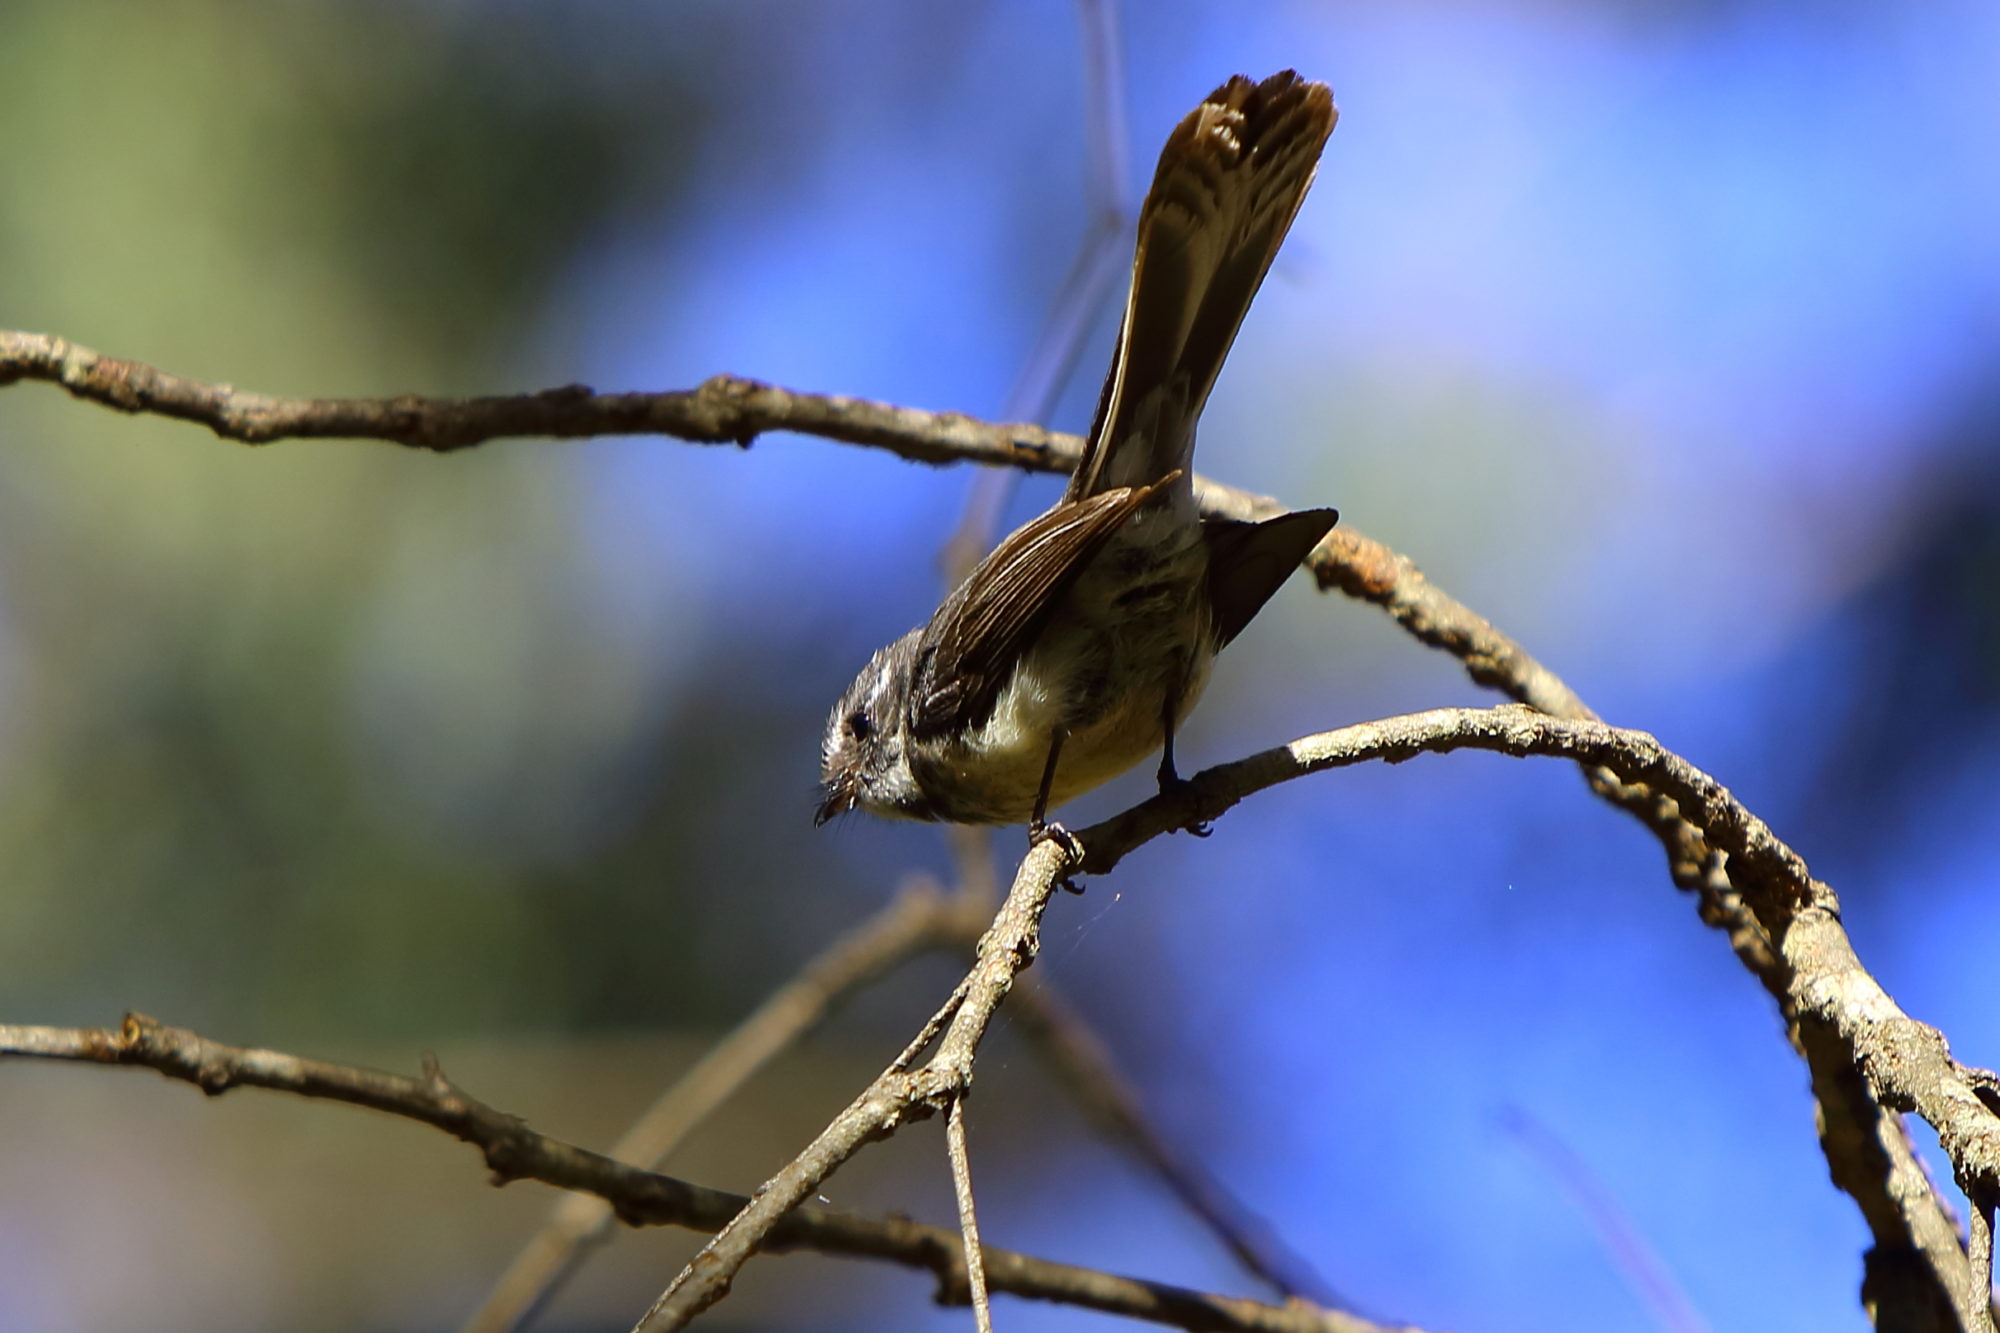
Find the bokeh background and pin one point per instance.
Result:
(1662, 333)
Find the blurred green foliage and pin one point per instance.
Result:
(334, 737)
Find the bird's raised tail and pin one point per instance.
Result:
(1229, 182)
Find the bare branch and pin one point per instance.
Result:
(920, 917)
(724, 410)
(1652, 1282)
(897, 1097)
(1910, 1064)
(1108, 186)
(730, 409)
(1906, 1062)
(512, 1150)
(1865, 1147)
(644, 1197)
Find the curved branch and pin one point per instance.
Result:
(1908, 1063)
(729, 409)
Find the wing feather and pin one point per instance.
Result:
(968, 651)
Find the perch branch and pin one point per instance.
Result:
(1907, 1064)
(1908, 1061)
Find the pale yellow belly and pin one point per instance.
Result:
(1010, 753)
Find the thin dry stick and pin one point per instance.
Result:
(919, 918)
(968, 1221)
(1061, 1037)
(1058, 348)
(725, 409)
(515, 1152)
(1108, 187)
(1626, 1246)
(1083, 291)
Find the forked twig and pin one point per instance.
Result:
(919, 918)
(898, 1096)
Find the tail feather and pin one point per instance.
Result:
(1229, 182)
(1249, 562)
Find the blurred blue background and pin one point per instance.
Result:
(1662, 334)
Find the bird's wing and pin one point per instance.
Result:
(970, 647)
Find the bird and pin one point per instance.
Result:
(1078, 646)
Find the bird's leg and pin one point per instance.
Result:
(1171, 781)
(1039, 827)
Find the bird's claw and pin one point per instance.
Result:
(1040, 831)
(1177, 788)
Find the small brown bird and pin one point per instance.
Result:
(1076, 648)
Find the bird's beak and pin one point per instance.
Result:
(839, 799)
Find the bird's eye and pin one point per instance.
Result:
(858, 725)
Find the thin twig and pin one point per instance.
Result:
(646, 1198)
(919, 918)
(730, 409)
(1630, 1252)
(968, 1220)
(1057, 350)
(1108, 187)
(1085, 1068)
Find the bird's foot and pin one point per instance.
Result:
(1043, 830)
(1174, 787)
